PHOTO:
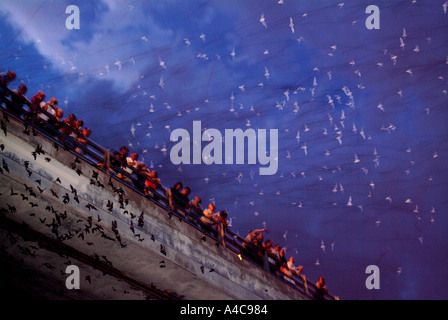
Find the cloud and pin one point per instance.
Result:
(111, 34)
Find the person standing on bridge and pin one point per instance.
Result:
(195, 204)
(222, 225)
(209, 216)
(36, 104)
(321, 288)
(178, 197)
(19, 99)
(119, 160)
(82, 139)
(5, 79)
(255, 234)
(295, 270)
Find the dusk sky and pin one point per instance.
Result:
(361, 116)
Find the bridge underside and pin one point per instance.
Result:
(33, 268)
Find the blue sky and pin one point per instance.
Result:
(389, 111)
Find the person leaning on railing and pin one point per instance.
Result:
(222, 225)
(295, 270)
(152, 183)
(55, 112)
(267, 245)
(179, 199)
(82, 139)
(47, 106)
(36, 102)
(5, 79)
(148, 180)
(118, 160)
(255, 234)
(177, 187)
(18, 96)
(70, 121)
(67, 129)
(195, 207)
(77, 128)
(208, 216)
(18, 100)
(51, 106)
(59, 117)
(321, 289)
(132, 162)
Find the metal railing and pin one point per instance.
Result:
(94, 154)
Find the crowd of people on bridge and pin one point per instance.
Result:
(144, 178)
(34, 111)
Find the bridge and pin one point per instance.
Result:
(59, 208)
